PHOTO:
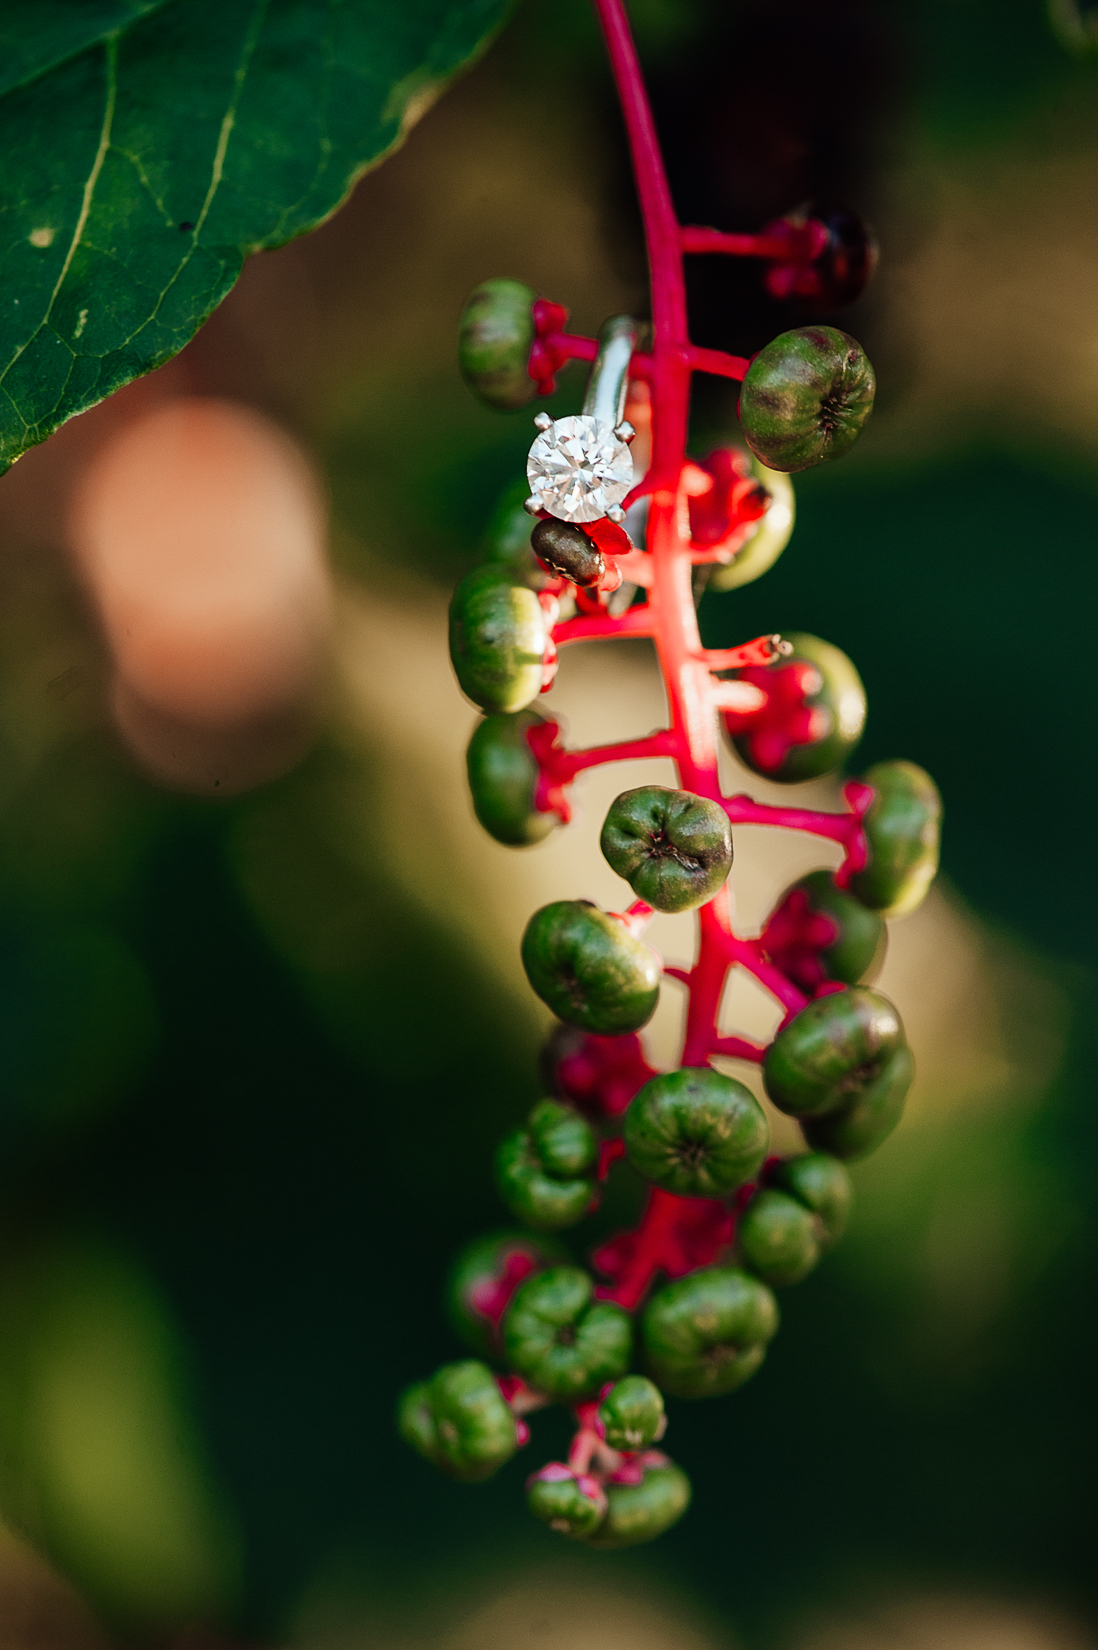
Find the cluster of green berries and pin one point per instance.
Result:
(700, 1319)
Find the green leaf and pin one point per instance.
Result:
(150, 147)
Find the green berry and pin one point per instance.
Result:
(672, 847)
(503, 778)
(855, 946)
(545, 1172)
(640, 1512)
(815, 717)
(843, 1067)
(779, 1238)
(806, 397)
(589, 969)
(566, 1504)
(498, 636)
(479, 1274)
(823, 1185)
(568, 552)
(459, 1421)
(696, 1133)
(495, 337)
(632, 1414)
(706, 1334)
(903, 831)
(507, 538)
(861, 1126)
(563, 1341)
(828, 1052)
(770, 537)
(564, 1141)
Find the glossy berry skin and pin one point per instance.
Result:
(813, 718)
(632, 1414)
(696, 1133)
(568, 552)
(843, 1067)
(561, 1340)
(572, 1506)
(819, 934)
(823, 1185)
(706, 1334)
(483, 1278)
(503, 779)
(673, 848)
(495, 337)
(498, 638)
(860, 1127)
(770, 537)
(640, 1512)
(589, 969)
(903, 835)
(806, 397)
(779, 1239)
(459, 1421)
(545, 1172)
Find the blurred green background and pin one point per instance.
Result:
(255, 1053)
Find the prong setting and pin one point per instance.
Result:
(624, 431)
(542, 421)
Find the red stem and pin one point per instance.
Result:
(677, 1234)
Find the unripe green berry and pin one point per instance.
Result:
(779, 1239)
(640, 1512)
(826, 1054)
(632, 1414)
(478, 1274)
(563, 1341)
(495, 337)
(459, 1421)
(507, 537)
(770, 537)
(572, 1507)
(545, 1172)
(903, 832)
(498, 637)
(858, 936)
(672, 847)
(503, 778)
(860, 1127)
(589, 969)
(806, 397)
(564, 1141)
(822, 1184)
(706, 1334)
(568, 552)
(696, 1132)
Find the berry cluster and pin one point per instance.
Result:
(689, 1294)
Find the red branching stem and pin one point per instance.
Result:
(738, 1048)
(676, 1234)
(569, 763)
(716, 362)
(637, 621)
(788, 242)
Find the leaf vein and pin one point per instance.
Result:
(111, 50)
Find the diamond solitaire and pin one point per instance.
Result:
(579, 469)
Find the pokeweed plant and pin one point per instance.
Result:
(684, 1304)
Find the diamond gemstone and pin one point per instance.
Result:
(578, 469)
